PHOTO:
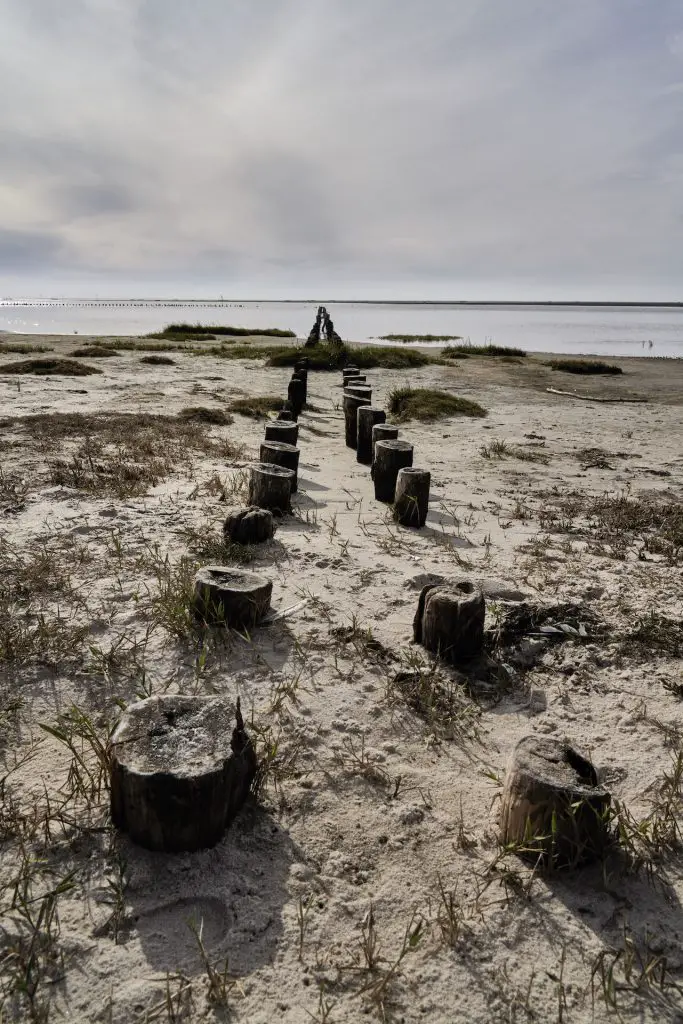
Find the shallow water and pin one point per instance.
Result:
(591, 330)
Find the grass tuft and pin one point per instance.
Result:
(203, 414)
(50, 368)
(158, 361)
(462, 351)
(407, 338)
(94, 352)
(584, 366)
(215, 330)
(256, 406)
(429, 404)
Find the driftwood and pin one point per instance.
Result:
(592, 398)
(250, 525)
(390, 456)
(288, 433)
(277, 453)
(553, 808)
(270, 486)
(411, 499)
(224, 596)
(181, 768)
(368, 417)
(351, 404)
(450, 620)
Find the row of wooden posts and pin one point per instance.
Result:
(182, 766)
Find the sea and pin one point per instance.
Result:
(596, 330)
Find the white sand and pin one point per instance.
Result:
(332, 841)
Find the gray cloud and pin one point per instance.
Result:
(340, 144)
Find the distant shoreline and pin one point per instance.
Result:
(459, 303)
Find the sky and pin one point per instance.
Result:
(447, 149)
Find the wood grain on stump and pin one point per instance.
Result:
(450, 619)
(270, 486)
(390, 456)
(277, 453)
(181, 768)
(553, 807)
(287, 433)
(250, 525)
(351, 404)
(411, 499)
(368, 417)
(296, 395)
(224, 596)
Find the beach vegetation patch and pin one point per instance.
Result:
(94, 352)
(50, 368)
(407, 338)
(428, 404)
(257, 406)
(184, 330)
(158, 361)
(205, 414)
(494, 351)
(22, 348)
(335, 357)
(584, 366)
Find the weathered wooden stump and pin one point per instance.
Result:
(302, 364)
(349, 371)
(351, 404)
(411, 499)
(302, 375)
(296, 394)
(288, 433)
(224, 596)
(285, 415)
(277, 453)
(181, 768)
(367, 417)
(359, 390)
(270, 486)
(357, 378)
(382, 432)
(390, 456)
(450, 620)
(553, 807)
(250, 525)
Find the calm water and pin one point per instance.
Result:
(602, 330)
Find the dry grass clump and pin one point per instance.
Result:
(50, 368)
(463, 351)
(503, 450)
(196, 331)
(158, 361)
(429, 404)
(94, 352)
(584, 366)
(204, 414)
(256, 406)
(21, 348)
(120, 453)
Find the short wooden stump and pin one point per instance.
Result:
(450, 620)
(181, 768)
(270, 486)
(277, 453)
(553, 808)
(224, 596)
(250, 525)
(390, 456)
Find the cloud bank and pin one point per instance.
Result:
(290, 148)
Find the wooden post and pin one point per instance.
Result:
(288, 433)
(285, 415)
(553, 807)
(450, 619)
(296, 394)
(279, 454)
(250, 525)
(368, 416)
(181, 768)
(411, 500)
(224, 596)
(351, 404)
(359, 390)
(302, 375)
(382, 432)
(270, 486)
(390, 456)
(349, 371)
(357, 378)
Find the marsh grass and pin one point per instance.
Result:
(22, 348)
(463, 351)
(407, 338)
(428, 404)
(584, 366)
(215, 330)
(205, 414)
(256, 406)
(94, 352)
(154, 360)
(334, 357)
(50, 368)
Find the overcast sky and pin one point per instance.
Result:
(345, 148)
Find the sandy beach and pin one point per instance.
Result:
(367, 880)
